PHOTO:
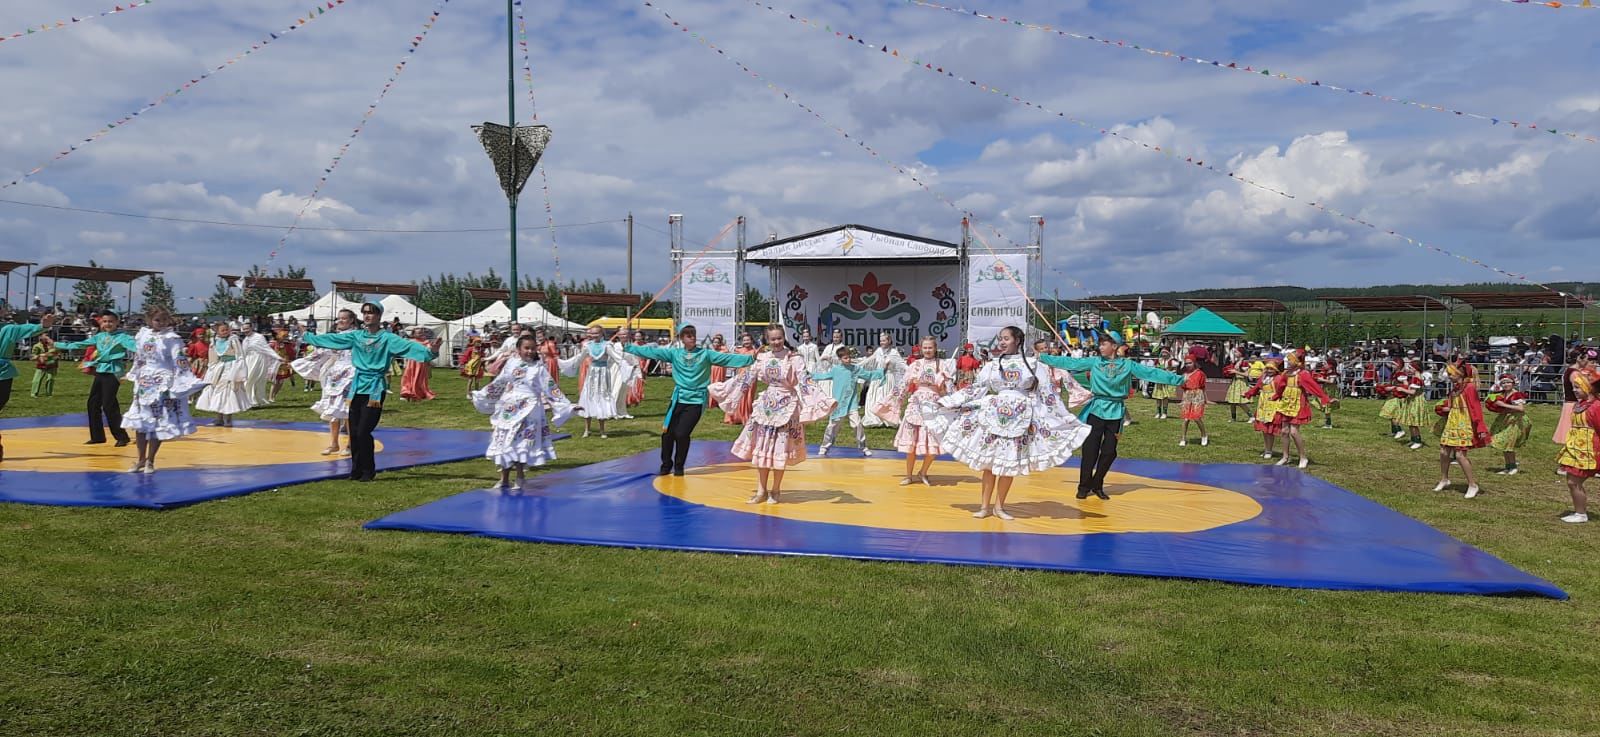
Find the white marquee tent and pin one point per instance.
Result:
(325, 309)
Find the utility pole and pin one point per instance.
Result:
(630, 253)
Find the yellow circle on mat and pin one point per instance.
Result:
(866, 492)
(61, 449)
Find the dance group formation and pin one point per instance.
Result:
(1010, 415)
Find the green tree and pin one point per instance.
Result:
(158, 293)
(92, 294)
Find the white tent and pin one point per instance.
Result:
(325, 309)
(531, 313)
(396, 306)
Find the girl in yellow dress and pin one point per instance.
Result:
(1266, 418)
(1511, 427)
(1461, 427)
(1577, 458)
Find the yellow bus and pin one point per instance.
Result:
(650, 325)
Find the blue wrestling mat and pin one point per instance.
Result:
(47, 463)
(1225, 522)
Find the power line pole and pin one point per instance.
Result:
(630, 253)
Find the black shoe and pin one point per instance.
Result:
(677, 472)
(94, 442)
(1102, 494)
(123, 443)
(1083, 493)
(664, 470)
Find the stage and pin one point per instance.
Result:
(47, 463)
(1239, 523)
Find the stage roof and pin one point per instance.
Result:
(852, 243)
(1518, 300)
(1126, 305)
(266, 282)
(7, 267)
(93, 273)
(361, 287)
(1396, 303)
(1239, 305)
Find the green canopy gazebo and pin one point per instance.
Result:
(1203, 323)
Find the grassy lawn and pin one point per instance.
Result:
(275, 614)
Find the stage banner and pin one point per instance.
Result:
(993, 297)
(708, 296)
(909, 301)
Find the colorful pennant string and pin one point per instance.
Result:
(945, 72)
(74, 21)
(544, 181)
(1586, 4)
(327, 172)
(313, 14)
(1280, 75)
(860, 142)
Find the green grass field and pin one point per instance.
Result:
(276, 614)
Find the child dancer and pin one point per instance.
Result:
(46, 360)
(1194, 399)
(372, 349)
(225, 392)
(414, 382)
(926, 380)
(844, 374)
(629, 370)
(1009, 423)
(1290, 391)
(1163, 393)
(285, 349)
(1413, 409)
(1239, 370)
(888, 361)
(737, 409)
(719, 374)
(10, 335)
(1511, 428)
(1111, 378)
(199, 351)
(472, 362)
(332, 370)
(1577, 457)
(597, 365)
(516, 402)
(112, 349)
(162, 382)
(1462, 428)
(692, 371)
(1327, 374)
(1266, 416)
(774, 435)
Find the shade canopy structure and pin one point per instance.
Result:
(362, 287)
(1519, 300)
(598, 298)
(1397, 303)
(6, 267)
(57, 272)
(1239, 305)
(1122, 304)
(852, 243)
(268, 282)
(485, 293)
(1203, 323)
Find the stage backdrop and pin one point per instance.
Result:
(908, 300)
(993, 299)
(708, 297)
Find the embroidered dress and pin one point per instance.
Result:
(1165, 391)
(516, 402)
(260, 365)
(1577, 455)
(600, 363)
(1194, 395)
(774, 434)
(1290, 389)
(1005, 423)
(225, 376)
(1266, 415)
(162, 382)
(473, 363)
(1240, 373)
(890, 361)
(333, 371)
(1415, 410)
(1510, 430)
(924, 382)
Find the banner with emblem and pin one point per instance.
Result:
(994, 299)
(709, 295)
(906, 300)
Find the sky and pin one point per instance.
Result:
(648, 121)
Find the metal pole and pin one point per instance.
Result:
(511, 112)
(630, 253)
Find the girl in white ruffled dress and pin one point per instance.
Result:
(226, 374)
(332, 370)
(1010, 422)
(162, 382)
(516, 402)
(599, 363)
(923, 382)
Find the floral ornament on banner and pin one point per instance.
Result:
(327, 172)
(73, 21)
(941, 71)
(860, 142)
(300, 22)
(1234, 66)
(544, 180)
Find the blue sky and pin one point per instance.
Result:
(648, 121)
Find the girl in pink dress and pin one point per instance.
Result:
(926, 380)
(414, 384)
(774, 435)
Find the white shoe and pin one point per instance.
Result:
(1266, 455)
(1415, 446)
(1002, 514)
(925, 481)
(981, 513)
(1561, 471)
(1183, 442)
(1305, 462)
(823, 451)
(1512, 472)
(757, 498)
(772, 498)
(137, 468)
(1502, 472)
(1205, 439)
(586, 433)
(1576, 518)
(1472, 491)
(1282, 461)
(1400, 435)
(905, 481)
(866, 452)
(1441, 486)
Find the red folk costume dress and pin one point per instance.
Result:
(1194, 395)
(1582, 445)
(1266, 418)
(285, 351)
(414, 383)
(199, 351)
(1289, 393)
(1462, 426)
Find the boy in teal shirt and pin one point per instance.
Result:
(846, 394)
(113, 349)
(10, 336)
(691, 374)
